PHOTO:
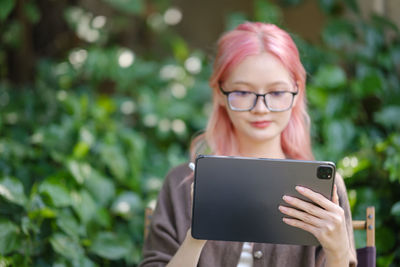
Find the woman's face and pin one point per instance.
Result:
(261, 74)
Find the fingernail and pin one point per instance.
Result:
(287, 198)
(300, 188)
(282, 208)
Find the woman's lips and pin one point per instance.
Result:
(260, 124)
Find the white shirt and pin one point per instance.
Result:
(246, 257)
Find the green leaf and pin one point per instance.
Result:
(80, 171)
(67, 222)
(385, 239)
(83, 262)
(6, 6)
(267, 12)
(101, 188)
(329, 76)
(12, 190)
(44, 213)
(84, 205)
(372, 84)
(234, 19)
(114, 158)
(339, 134)
(103, 218)
(58, 194)
(328, 5)
(128, 6)
(392, 164)
(81, 149)
(4, 262)
(180, 48)
(66, 246)
(386, 261)
(8, 237)
(339, 34)
(32, 12)
(388, 117)
(28, 225)
(395, 211)
(111, 246)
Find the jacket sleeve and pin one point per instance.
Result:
(171, 219)
(344, 203)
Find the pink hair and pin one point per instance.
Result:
(252, 39)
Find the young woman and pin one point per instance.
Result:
(259, 110)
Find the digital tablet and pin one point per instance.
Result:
(237, 198)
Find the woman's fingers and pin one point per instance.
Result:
(303, 216)
(309, 208)
(302, 225)
(317, 198)
(323, 218)
(316, 215)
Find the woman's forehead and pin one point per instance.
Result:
(270, 83)
(263, 68)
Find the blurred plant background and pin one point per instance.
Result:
(96, 107)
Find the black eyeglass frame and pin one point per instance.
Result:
(256, 99)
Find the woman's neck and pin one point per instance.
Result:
(268, 149)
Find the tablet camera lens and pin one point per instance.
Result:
(324, 172)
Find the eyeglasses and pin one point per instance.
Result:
(275, 101)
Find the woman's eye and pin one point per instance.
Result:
(277, 93)
(242, 93)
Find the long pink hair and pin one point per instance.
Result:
(252, 38)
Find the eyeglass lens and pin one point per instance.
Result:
(275, 101)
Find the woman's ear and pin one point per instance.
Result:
(220, 98)
(297, 84)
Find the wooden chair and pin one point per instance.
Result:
(366, 256)
(148, 215)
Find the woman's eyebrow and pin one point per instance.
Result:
(275, 83)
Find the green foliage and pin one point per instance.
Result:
(131, 6)
(6, 6)
(265, 11)
(354, 99)
(85, 147)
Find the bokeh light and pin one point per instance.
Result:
(172, 16)
(164, 125)
(178, 126)
(77, 57)
(126, 58)
(178, 90)
(193, 65)
(170, 71)
(150, 120)
(128, 107)
(98, 22)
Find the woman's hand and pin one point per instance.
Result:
(326, 222)
(188, 253)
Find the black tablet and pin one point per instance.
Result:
(237, 198)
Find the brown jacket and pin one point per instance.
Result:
(172, 219)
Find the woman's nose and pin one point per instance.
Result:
(260, 106)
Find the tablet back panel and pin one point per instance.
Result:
(237, 199)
